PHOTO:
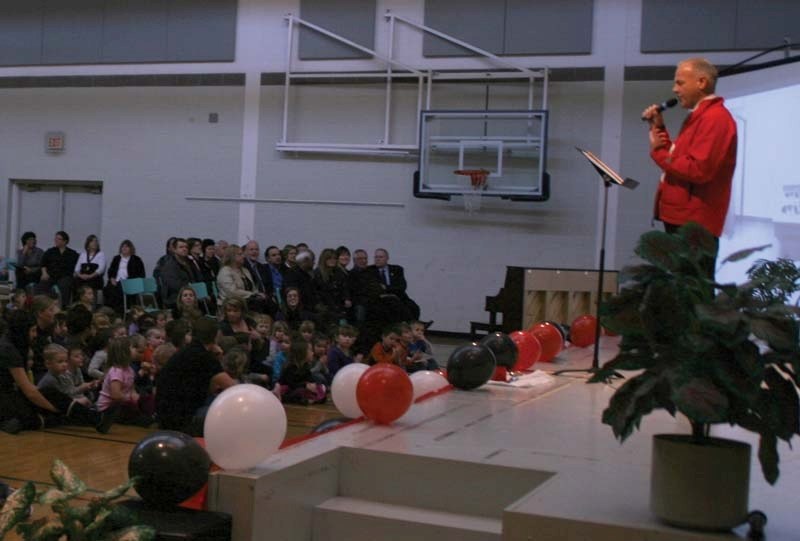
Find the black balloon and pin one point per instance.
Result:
(330, 424)
(171, 467)
(504, 349)
(562, 328)
(470, 366)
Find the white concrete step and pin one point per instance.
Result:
(356, 519)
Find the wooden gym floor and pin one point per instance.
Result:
(102, 460)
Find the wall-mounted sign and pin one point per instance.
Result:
(54, 142)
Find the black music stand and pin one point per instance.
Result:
(610, 178)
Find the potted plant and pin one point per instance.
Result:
(74, 517)
(717, 353)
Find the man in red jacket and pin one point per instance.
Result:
(698, 165)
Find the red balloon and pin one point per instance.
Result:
(551, 339)
(384, 393)
(582, 330)
(529, 347)
(500, 374)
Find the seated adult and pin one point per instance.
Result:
(234, 280)
(210, 260)
(331, 290)
(189, 381)
(84, 295)
(187, 306)
(201, 272)
(29, 261)
(91, 265)
(197, 260)
(176, 273)
(293, 312)
(262, 276)
(300, 277)
(169, 250)
(126, 264)
(234, 320)
(22, 405)
(58, 266)
(393, 283)
(277, 270)
(44, 310)
(364, 286)
(289, 257)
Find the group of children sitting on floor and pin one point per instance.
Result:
(300, 366)
(111, 367)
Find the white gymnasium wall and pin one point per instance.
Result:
(635, 211)
(452, 259)
(151, 147)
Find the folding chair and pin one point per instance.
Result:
(134, 287)
(131, 286)
(201, 292)
(150, 289)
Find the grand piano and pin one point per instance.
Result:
(530, 295)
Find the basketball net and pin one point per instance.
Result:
(476, 181)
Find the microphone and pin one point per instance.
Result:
(664, 105)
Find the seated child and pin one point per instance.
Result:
(58, 390)
(307, 330)
(60, 329)
(118, 392)
(162, 354)
(154, 337)
(144, 323)
(56, 359)
(100, 321)
(19, 300)
(280, 330)
(145, 371)
(258, 371)
(132, 318)
(260, 344)
(297, 385)
(227, 343)
(178, 333)
(118, 330)
(162, 318)
(413, 358)
(75, 361)
(235, 363)
(386, 351)
(98, 362)
(280, 358)
(341, 354)
(319, 363)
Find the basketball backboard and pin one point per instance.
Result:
(510, 145)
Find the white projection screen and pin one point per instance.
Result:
(765, 201)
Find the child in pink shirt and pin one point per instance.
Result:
(118, 391)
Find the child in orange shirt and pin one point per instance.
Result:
(386, 351)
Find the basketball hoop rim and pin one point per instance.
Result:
(478, 177)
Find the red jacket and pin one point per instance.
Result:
(698, 168)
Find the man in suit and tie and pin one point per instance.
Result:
(262, 277)
(393, 282)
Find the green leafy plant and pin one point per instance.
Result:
(717, 353)
(98, 519)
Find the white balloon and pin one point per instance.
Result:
(343, 389)
(244, 425)
(427, 381)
